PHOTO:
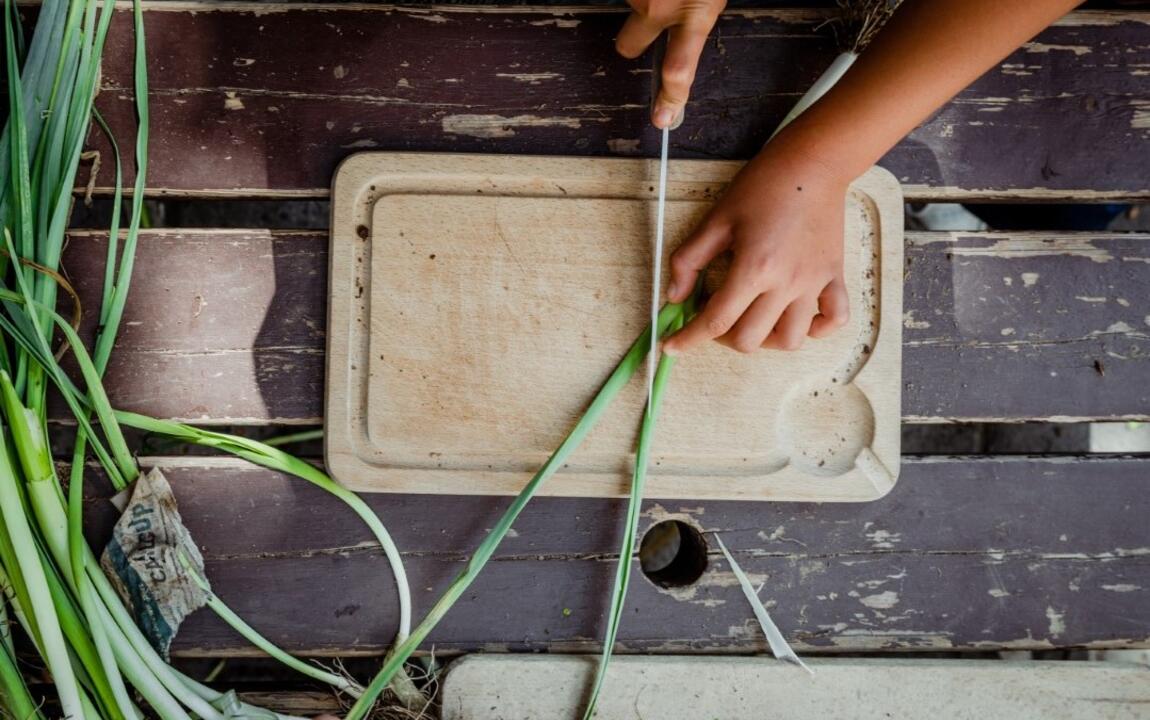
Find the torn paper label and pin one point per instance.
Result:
(147, 558)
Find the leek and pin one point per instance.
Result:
(631, 530)
(618, 379)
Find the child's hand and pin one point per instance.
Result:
(782, 219)
(687, 22)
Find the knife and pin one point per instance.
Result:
(660, 216)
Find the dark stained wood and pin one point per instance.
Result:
(965, 553)
(228, 326)
(1006, 326)
(240, 106)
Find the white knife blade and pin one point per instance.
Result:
(657, 267)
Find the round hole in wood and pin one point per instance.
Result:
(673, 554)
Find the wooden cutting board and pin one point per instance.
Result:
(479, 301)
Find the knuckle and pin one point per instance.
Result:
(760, 265)
(681, 262)
(677, 74)
(717, 324)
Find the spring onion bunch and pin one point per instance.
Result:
(51, 584)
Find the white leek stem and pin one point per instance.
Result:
(142, 648)
(105, 652)
(112, 648)
(43, 609)
(826, 81)
(129, 645)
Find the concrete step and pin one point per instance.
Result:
(536, 687)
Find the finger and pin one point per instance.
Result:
(755, 325)
(693, 256)
(793, 326)
(834, 309)
(637, 35)
(685, 44)
(719, 314)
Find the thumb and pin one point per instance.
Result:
(685, 44)
(693, 256)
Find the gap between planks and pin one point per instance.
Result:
(912, 193)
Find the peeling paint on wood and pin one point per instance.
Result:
(1068, 109)
(1010, 578)
(266, 363)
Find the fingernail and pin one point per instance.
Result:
(672, 291)
(664, 117)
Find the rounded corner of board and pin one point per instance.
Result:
(353, 165)
(878, 178)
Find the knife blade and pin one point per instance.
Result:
(657, 266)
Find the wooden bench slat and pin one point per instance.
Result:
(240, 107)
(966, 553)
(997, 326)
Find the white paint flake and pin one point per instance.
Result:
(1122, 588)
(339, 72)
(1057, 621)
(997, 593)
(500, 126)
(882, 601)
(1118, 328)
(529, 78)
(231, 102)
(435, 18)
(909, 321)
(1140, 120)
(557, 22)
(883, 538)
(1078, 50)
(1029, 279)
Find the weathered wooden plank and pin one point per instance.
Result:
(997, 326)
(1001, 327)
(967, 553)
(239, 109)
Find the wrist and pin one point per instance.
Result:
(812, 149)
(806, 166)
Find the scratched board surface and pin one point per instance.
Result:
(239, 108)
